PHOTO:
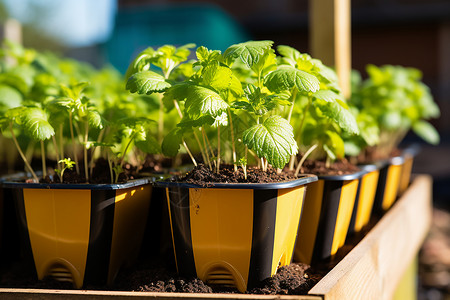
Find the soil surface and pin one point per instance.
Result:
(202, 175)
(318, 167)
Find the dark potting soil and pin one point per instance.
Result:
(371, 155)
(318, 167)
(204, 176)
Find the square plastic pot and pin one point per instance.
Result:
(83, 233)
(388, 184)
(234, 234)
(326, 217)
(365, 196)
(408, 154)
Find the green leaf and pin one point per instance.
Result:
(426, 131)
(249, 52)
(147, 82)
(172, 141)
(273, 139)
(35, 121)
(149, 145)
(335, 144)
(201, 101)
(95, 119)
(327, 95)
(187, 123)
(339, 114)
(141, 62)
(287, 77)
(9, 97)
(289, 52)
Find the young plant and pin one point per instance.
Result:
(398, 101)
(317, 103)
(67, 163)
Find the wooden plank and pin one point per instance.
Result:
(6, 294)
(373, 269)
(330, 37)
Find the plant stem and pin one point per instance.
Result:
(44, 165)
(86, 167)
(160, 119)
(110, 167)
(73, 143)
(293, 97)
(245, 166)
(209, 144)
(232, 141)
(206, 147)
(61, 140)
(36, 179)
(189, 153)
(180, 114)
(126, 148)
(91, 163)
(292, 163)
(307, 153)
(300, 129)
(218, 148)
(55, 145)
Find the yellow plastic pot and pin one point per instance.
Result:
(234, 234)
(326, 217)
(408, 155)
(83, 233)
(365, 196)
(388, 184)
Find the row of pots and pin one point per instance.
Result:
(229, 234)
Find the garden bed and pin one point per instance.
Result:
(371, 270)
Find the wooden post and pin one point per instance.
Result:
(330, 37)
(11, 30)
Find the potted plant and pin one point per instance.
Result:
(75, 225)
(319, 118)
(398, 101)
(235, 232)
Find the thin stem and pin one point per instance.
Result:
(110, 167)
(292, 163)
(206, 147)
(293, 97)
(73, 143)
(328, 162)
(232, 140)
(36, 179)
(61, 140)
(160, 119)
(189, 153)
(299, 131)
(44, 163)
(209, 144)
(91, 163)
(180, 114)
(307, 153)
(244, 167)
(263, 165)
(55, 145)
(126, 149)
(86, 167)
(218, 148)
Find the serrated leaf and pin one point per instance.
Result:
(287, 77)
(95, 119)
(289, 52)
(172, 141)
(187, 123)
(273, 139)
(141, 62)
(327, 95)
(147, 82)
(35, 121)
(249, 52)
(201, 101)
(339, 114)
(426, 131)
(149, 145)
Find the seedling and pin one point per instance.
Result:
(67, 163)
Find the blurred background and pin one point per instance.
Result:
(414, 33)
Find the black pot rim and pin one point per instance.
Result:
(351, 176)
(9, 183)
(305, 179)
